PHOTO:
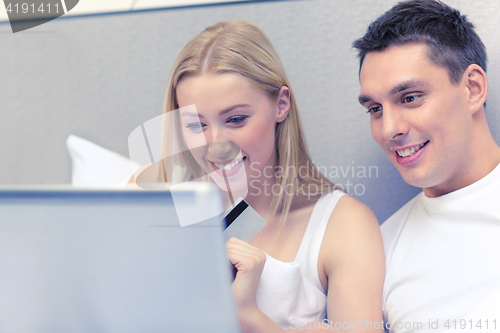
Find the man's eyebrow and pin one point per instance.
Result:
(364, 99)
(226, 110)
(407, 85)
(410, 84)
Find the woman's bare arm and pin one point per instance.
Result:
(352, 258)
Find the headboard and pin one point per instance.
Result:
(101, 76)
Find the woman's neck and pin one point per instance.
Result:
(261, 202)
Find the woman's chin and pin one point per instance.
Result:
(236, 184)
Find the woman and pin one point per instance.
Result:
(320, 255)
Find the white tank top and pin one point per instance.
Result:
(290, 292)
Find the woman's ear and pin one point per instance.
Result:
(283, 104)
(476, 82)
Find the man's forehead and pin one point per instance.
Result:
(395, 55)
(397, 68)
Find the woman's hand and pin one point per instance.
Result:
(249, 261)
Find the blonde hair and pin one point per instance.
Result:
(241, 47)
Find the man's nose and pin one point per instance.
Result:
(394, 123)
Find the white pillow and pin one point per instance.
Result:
(95, 166)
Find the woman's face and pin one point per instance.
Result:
(229, 126)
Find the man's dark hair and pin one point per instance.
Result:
(453, 43)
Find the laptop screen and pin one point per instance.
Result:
(112, 261)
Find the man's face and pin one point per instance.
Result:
(419, 118)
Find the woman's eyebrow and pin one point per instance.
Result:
(231, 108)
(191, 114)
(226, 110)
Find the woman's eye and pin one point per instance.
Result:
(195, 127)
(237, 120)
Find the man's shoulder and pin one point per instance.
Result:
(392, 226)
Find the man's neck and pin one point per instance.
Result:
(486, 162)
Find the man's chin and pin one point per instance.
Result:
(412, 175)
(414, 180)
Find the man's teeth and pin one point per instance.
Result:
(408, 152)
(229, 166)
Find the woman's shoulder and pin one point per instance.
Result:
(350, 212)
(352, 226)
(352, 236)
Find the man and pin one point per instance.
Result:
(423, 82)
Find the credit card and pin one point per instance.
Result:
(242, 221)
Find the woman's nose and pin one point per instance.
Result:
(222, 151)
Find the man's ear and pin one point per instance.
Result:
(283, 104)
(476, 82)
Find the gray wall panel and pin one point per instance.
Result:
(101, 76)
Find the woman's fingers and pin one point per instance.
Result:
(249, 261)
(243, 255)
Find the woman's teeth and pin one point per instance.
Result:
(229, 166)
(410, 151)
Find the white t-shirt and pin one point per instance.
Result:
(443, 261)
(290, 293)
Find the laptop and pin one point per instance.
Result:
(98, 260)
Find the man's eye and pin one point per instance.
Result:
(374, 109)
(409, 99)
(237, 120)
(195, 127)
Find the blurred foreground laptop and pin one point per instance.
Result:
(112, 261)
